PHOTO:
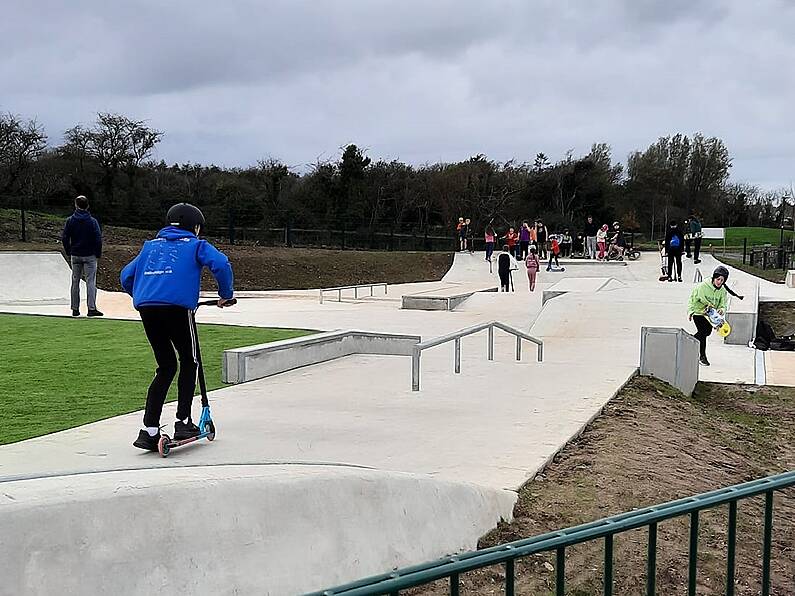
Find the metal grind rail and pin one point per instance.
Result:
(355, 289)
(456, 338)
(604, 529)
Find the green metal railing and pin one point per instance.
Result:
(604, 529)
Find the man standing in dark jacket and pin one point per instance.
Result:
(82, 242)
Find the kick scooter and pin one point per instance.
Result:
(206, 425)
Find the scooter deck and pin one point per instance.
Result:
(166, 443)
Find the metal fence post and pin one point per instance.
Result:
(540, 352)
(693, 564)
(356, 293)
(518, 348)
(458, 355)
(321, 296)
(560, 571)
(651, 564)
(731, 548)
(745, 245)
(455, 584)
(339, 295)
(767, 543)
(415, 370)
(509, 578)
(491, 343)
(608, 591)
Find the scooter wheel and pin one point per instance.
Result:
(162, 445)
(210, 430)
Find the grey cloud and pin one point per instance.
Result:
(420, 81)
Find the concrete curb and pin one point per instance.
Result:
(250, 363)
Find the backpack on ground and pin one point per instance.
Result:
(765, 335)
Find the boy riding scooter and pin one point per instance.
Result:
(164, 281)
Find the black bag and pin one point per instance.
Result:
(784, 344)
(764, 335)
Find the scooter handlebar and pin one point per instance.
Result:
(230, 302)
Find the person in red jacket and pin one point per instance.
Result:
(511, 238)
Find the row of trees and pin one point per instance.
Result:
(110, 161)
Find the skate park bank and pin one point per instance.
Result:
(335, 470)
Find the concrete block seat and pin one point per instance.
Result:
(742, 315)
(444, 298)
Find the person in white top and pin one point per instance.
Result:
(601, 241)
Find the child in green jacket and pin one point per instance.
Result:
(707, 294)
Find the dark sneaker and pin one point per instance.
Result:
(146, 441)
(678, 279)
(703, 360)
(75, 313)
(184, 431)
(95, 313)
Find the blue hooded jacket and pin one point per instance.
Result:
(168, 270)
(81, 235)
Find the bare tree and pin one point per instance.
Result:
(21, 143)
(115, 142)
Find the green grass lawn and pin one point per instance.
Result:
(58, 373)
(755, 236)
(775, 275)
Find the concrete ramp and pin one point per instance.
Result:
(442, 298)
(34, 277)
(472, 268)
(582, 285)
(232, 529)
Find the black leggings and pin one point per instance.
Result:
(524, 245)
(505, 280)
(696, 248)
(674, 257)
(167, 328)
(704, 331)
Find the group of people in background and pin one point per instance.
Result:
(533, 243)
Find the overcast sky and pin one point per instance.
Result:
(420, 81)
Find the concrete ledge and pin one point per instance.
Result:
(249, 363)
(742, 315)
(433, 302)
(670, 354)
(244, 529)
(582, 285)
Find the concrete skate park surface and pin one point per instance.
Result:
(339, 463)
(35, 277)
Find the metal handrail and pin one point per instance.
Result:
(456, 337)
(355, 289)
(606, 528)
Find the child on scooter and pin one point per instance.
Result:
(164, 282)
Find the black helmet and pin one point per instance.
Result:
(721, 271)
(185, 216)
